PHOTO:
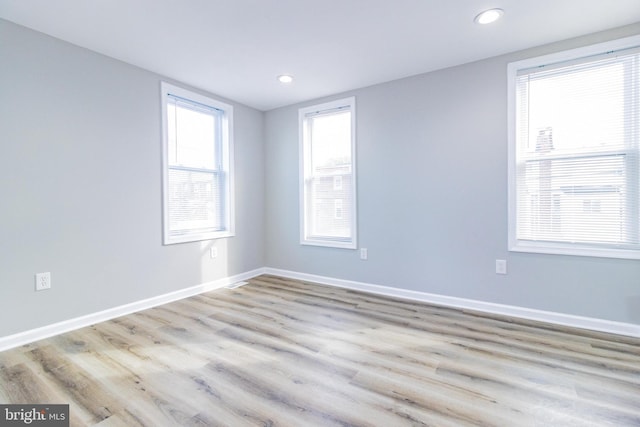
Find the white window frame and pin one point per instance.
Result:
(550, 247)
(223, 145)
(306, 238)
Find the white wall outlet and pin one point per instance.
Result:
(213, 252)
(501, 266)
(364, 254)
(43, 281)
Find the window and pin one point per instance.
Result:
(328, 178)
(574, 141)
(197, 159)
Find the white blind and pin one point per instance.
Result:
(196, 190)
(577, 152)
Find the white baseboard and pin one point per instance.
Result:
(601, 325)
(592, 324)
(32, 335)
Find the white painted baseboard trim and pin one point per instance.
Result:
(601, 325)
(592, 324)
(32, 335)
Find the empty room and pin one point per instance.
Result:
(320, 213)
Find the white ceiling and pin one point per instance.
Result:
(236, 48)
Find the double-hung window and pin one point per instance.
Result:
(327, 174)
(197, 162)
(574, 141)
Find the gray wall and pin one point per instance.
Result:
(80, 186)
(432, 182)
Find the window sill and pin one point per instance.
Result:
(329, 243)
(573, 250)
(197, 237)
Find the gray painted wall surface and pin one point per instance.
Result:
(432, 202)
(80, 187)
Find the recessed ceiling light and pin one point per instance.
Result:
(285, 78)
(489, 16)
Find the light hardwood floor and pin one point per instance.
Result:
(280, 352)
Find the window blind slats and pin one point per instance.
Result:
(194, 201)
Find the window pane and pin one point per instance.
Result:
(330, 142)
(194, 201)
(331, 216)
(584, 107)
(582, 199)
(192, 136)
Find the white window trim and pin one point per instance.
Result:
(516, 245)
(305, 239)
(227, 142)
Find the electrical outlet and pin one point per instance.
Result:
(363, 253)
(501, 266)
(213, 252)
(43, 281)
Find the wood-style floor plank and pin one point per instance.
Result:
(282, 352)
